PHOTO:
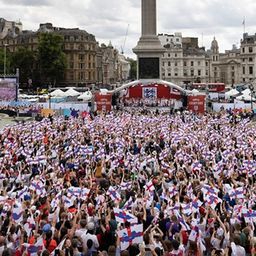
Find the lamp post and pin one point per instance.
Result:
(5, 45)
(251, 87)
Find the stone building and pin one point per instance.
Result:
(248, 57)
(185, 62)
(10, 28)
(87, 62)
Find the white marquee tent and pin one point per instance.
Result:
(85, 96)
(72, 93)
(58, 93)
(231, 93)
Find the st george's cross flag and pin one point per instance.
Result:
(17, 214)
(237, 193)
(149, 186)
(115, 196)
(34, 249)
(131, 235)
(123, 216)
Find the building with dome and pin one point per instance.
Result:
(185, 62)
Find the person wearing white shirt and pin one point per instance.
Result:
(237, 249)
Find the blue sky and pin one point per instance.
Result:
(109, 19)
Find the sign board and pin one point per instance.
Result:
(196, 104)
(150, 93)
(103, 102)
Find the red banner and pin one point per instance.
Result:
(103, 102)
(196, 104)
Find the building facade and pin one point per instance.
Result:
(248, 57)
(87, 62)
(186, 62)
(183, 61)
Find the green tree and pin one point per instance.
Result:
(25, 60)
(51, 58)
(7, 70)
(133, 70)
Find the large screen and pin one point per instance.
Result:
(8, 89)
(149, 68)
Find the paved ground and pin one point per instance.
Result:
(6, 120)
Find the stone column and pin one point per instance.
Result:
(148, 17)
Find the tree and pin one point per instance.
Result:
(51, 58)
(133, 70)
(2, 61)
(25, 60)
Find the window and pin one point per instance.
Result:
(206, 63)
(243, 79)
(163, 63)
(233, 74)
(81, 65)
(169, 55)
(215, 74)
(206, 72)
(199, 63)
(185, 73)
(243, 50)
(177, 40)
(233, 68)
(213, 58)
(169, 63)
(185, 63)
(167, 40)
(175, 63)
(192, 72)
(199, 72)
(169, 74)
(250, 49)
(243, 70)
(176, 74)
(243, 60)
(250, 59)
(81, 76)
(215, 68)
(216, 58)
(192, 63)
(251, 70)
(175, 55)
(71, 65)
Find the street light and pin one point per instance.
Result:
(5, 45)
(251, 87)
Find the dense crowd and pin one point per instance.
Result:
(129, 183)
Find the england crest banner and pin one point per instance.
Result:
(149, 93)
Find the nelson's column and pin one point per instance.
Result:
(149, 50)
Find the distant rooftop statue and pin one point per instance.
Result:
(215, 46)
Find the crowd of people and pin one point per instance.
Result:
(129, 183)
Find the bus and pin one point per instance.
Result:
(207, 87)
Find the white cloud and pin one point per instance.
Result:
(108, 20)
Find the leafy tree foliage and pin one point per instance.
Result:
(51, 58)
